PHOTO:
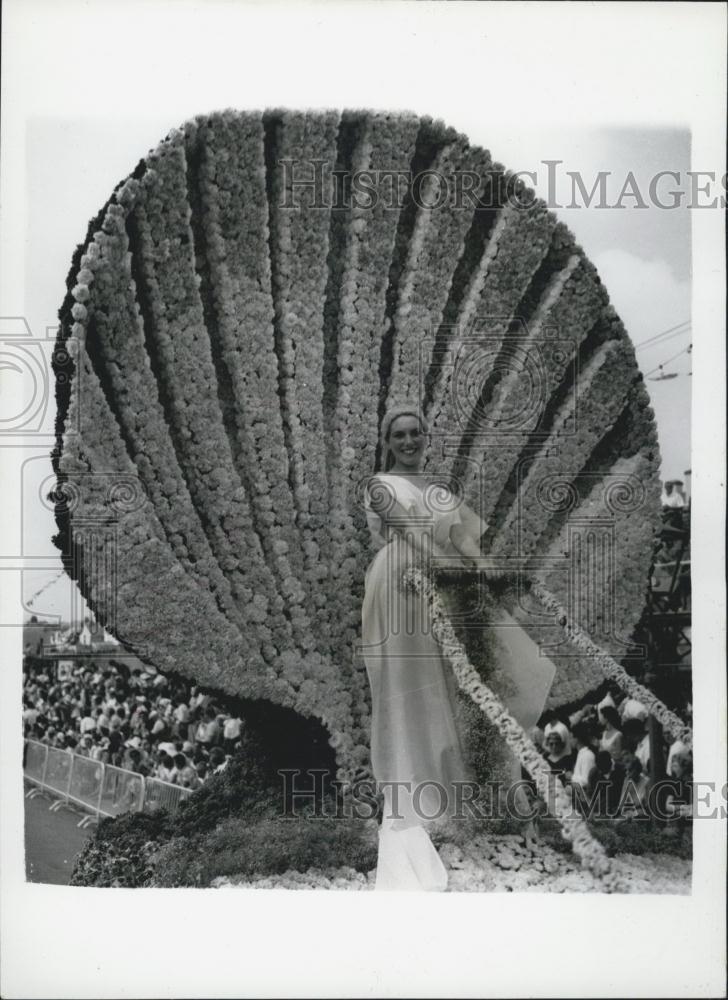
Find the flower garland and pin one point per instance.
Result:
(670, 722)
(553, 793)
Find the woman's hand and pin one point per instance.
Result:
(464, 542)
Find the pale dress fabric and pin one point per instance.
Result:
(583, 767)
(414, 736)
(611, 742)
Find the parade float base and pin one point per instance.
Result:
(499, 864)
(231, 832)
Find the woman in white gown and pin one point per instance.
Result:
(417, 757)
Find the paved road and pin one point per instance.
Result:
(52, 841)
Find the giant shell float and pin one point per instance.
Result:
(244, 309)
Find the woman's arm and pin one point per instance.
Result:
(466, 536)
(473, 524)
(466, 533)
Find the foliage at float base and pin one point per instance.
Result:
(249, 843)
(233, 823)
(269, 847)
(229, 342)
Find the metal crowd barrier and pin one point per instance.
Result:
(103, 789)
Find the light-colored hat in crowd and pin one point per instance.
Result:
(633, 709)
(560, 730)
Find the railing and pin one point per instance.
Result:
(103, 789)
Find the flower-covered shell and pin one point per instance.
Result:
(241, 314)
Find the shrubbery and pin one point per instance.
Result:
(233, 823)
(267, 847)
(120, 853)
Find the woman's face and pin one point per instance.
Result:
(407, 442)
(555, 745)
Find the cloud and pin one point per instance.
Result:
(649, 300)
(645, 293)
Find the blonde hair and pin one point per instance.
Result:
(404, 410)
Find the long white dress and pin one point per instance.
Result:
(414, 740)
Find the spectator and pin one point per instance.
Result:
(678, 748)
(632, 732)
(133, 743)
(556, 724)
(116, 740)
(165, 766)
(672, 498)
(606, 700)
(132, 719)
(611, 738)
(102, 722)
(558, 757)
(100, 751)
(218, 760)
(88, 723)
(585, 763)
(633, 801)
(231, 732)
(30, 714)
(160, 729)
(183, 773)
(679, 799)
(642, 751)
(136, 763)
(208, 731)
(632, 709)
(182, 719)
(610, 775)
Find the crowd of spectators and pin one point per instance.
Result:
(602, 753)
(171, 730)
(134, 719)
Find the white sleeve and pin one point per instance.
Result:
(374, 523)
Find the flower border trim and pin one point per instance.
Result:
(611, 669)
